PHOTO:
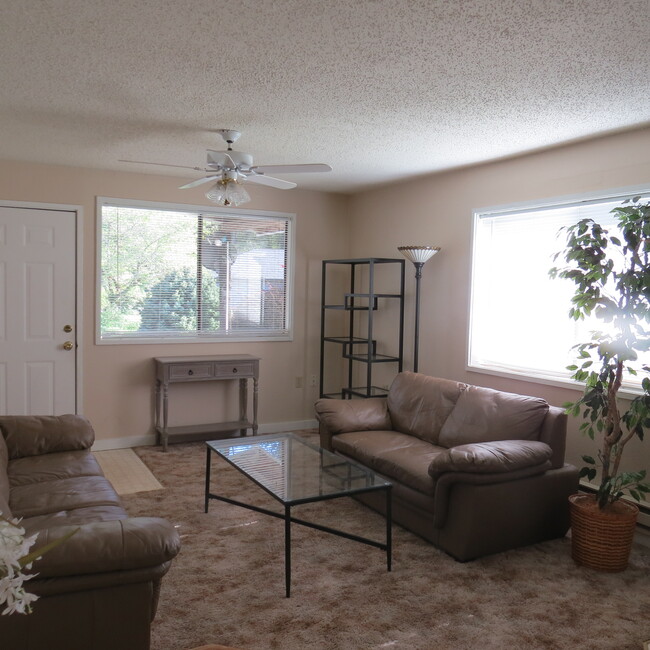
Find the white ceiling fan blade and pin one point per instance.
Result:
(199, 181)
(292, 169)
(145, 162)
(278, 183)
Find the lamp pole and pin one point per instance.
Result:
(418, 255)
(418, 276)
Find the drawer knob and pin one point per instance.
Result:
(234, 369)
(190, 372)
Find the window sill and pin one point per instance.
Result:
(627, 392)
(191, 340)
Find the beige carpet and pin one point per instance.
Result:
(227, 584)
(124, 469)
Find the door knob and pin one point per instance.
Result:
(67, 328)
(68, 345)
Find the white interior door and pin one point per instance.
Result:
(38, 316)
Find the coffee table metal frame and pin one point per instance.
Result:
(289, 503)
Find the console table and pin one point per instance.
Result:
(170, 370)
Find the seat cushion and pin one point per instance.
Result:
(485, 415)
(50, 467)
(419, 405)
(76, 517)
(364, 446)
(62, 494)
(397, 456)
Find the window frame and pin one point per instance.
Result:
(239, 337)
(618, 194)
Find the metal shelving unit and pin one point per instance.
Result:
(358, 345)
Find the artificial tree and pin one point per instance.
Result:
(612, 278)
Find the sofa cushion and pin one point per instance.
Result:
(4, 478)
(491, 457)
(343, 415)
(483, 415)
(419, 405)
(365, 445)
(62, 494)
(76, 517)
(49, 467)
(396, 456)
(31, 435)
(410, 466)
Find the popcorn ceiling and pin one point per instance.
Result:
(378, 89)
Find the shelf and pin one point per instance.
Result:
(348, 344)
(346, 339)
(374, 358)
(348, 308)
(374, 295)
(193, 432)
(363, 391)
(366, 260)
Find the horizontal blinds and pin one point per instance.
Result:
(170, 274)
(519, 316)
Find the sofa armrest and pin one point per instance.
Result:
(106, 546)
(344, 415)
(491, 457)
(33, 435)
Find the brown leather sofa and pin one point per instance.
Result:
(99, 589)
(475, 471)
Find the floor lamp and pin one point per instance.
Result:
(418, 255)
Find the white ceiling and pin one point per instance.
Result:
(379, 89)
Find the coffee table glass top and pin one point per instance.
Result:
(294, 470)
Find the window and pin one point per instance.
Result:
(170, 273)
(519, 322)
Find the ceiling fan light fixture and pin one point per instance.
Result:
(227, 192)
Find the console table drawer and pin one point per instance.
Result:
(233, 370)
(191, 371)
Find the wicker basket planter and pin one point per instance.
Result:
(601, 539)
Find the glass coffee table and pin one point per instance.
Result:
(294, 472)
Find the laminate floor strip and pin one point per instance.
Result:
(124, 469)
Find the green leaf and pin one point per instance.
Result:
(589, 459)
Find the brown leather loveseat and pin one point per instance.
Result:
(475, 471)
(98, 590)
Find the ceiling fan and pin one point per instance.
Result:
(229, 169)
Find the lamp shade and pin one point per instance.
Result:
(418, 254)
(227, 191)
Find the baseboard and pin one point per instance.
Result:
(124, 443)
(151, 439)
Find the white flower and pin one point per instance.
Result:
(14, 546)
(14, 595)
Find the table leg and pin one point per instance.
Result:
(287, 550)
(208, 463)
(164, 433)
(243, 403)
(157, 406)
(389, 528)
(255, 387)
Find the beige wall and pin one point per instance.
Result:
(437, 210)
(433, 210)
(118, 379)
